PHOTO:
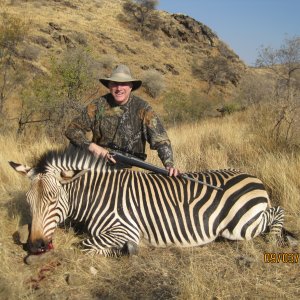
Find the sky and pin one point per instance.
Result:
(244, 25)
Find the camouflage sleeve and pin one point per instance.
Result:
(80, 125)
(158, 138)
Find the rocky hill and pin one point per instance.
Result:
(57, 25)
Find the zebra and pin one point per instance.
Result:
(122, 209)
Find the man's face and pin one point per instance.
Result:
(120, 91)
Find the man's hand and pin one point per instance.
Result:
(173, 171)
(100, 151)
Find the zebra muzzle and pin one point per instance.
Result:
(40, 246)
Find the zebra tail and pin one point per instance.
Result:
(273, 219)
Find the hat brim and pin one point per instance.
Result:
(135, 83)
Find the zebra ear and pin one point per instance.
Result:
(22, 169)
(67, 176)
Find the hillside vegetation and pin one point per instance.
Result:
(59, 49)
(54, 26)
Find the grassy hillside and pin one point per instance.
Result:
(54, 26)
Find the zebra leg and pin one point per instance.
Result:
(272, 219)
(95, 245)
(113, 243)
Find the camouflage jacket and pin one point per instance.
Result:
(127, 126)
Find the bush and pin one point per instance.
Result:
(74, 72)
(140, 15)
(274, 119)
(174, 43)
(80, 38)
(276, 131)
(229, 108)
(12, 33)
(51, 101)
(175, 104)
(42, 41)
(285, 103)
(30, 52)
(254, 89)
(153, 82)
(215, 71)
(183, 108)
(107, 61)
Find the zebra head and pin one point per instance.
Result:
(48, 203)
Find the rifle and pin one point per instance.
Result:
(130, 160)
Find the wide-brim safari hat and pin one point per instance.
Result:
(121, 73)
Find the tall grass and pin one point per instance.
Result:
(223, 270)
(231, 143)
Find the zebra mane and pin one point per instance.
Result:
(77, 158)
(70, 158)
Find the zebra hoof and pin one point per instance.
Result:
(130, 248)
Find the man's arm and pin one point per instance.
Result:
(77, 129)
(159, 141)
(80, 125)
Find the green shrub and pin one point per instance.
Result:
(175, 104)
(74, 72)
(51, 101)
(229, 108)
(184, 108)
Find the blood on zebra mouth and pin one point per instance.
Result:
(43, 250)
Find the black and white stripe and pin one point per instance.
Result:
(119, 207)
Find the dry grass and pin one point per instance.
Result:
(220, 270)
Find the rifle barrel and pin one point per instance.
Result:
(133, 161)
